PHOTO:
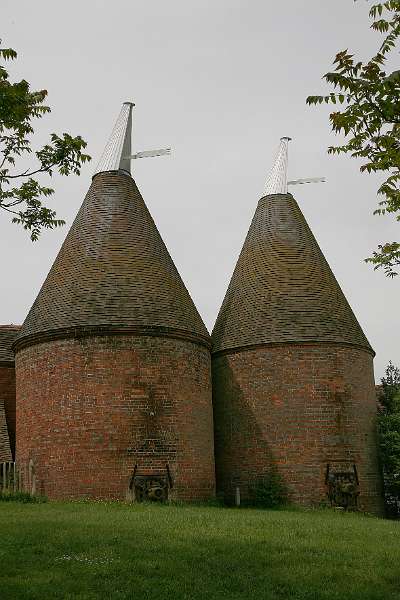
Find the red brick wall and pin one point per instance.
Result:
(299, 408)
(7, 394)
(89, 409)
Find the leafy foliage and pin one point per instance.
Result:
(371, 118)
(391, 388)
(21, 194)
(389, 438)
(268, 491)
(22, 497)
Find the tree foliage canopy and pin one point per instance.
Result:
(370, 118)
(389, 437)
(21, 194)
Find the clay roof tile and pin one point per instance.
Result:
(8, 333)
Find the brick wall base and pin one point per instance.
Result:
(298, 408)
(90, 409)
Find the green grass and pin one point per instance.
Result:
(100, 551)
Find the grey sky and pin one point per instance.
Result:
(220, 81)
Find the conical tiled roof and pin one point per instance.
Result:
(113, 270)
(282, 289)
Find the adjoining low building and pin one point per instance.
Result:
(8, 334)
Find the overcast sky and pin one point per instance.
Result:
(220, 81)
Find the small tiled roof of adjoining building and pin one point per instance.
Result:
(282, 289)
(8, 333)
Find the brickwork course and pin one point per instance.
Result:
(293, 385)
(113, 360)
(7, 392)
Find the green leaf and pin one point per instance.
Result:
(20, 193)
(370, 119)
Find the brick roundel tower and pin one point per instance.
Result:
(7, 392)
(113, 360)
(293, 384)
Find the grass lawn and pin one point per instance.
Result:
(99, 550)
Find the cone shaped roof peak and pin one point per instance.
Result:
(114, 272)
(282, 289)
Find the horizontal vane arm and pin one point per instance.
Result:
(307, 180)
(149, 153)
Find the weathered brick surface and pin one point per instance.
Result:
(298, 407)
(7, 392)
(7, 411)
(89, 409)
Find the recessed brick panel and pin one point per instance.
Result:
(299, 408)
(90, 409)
